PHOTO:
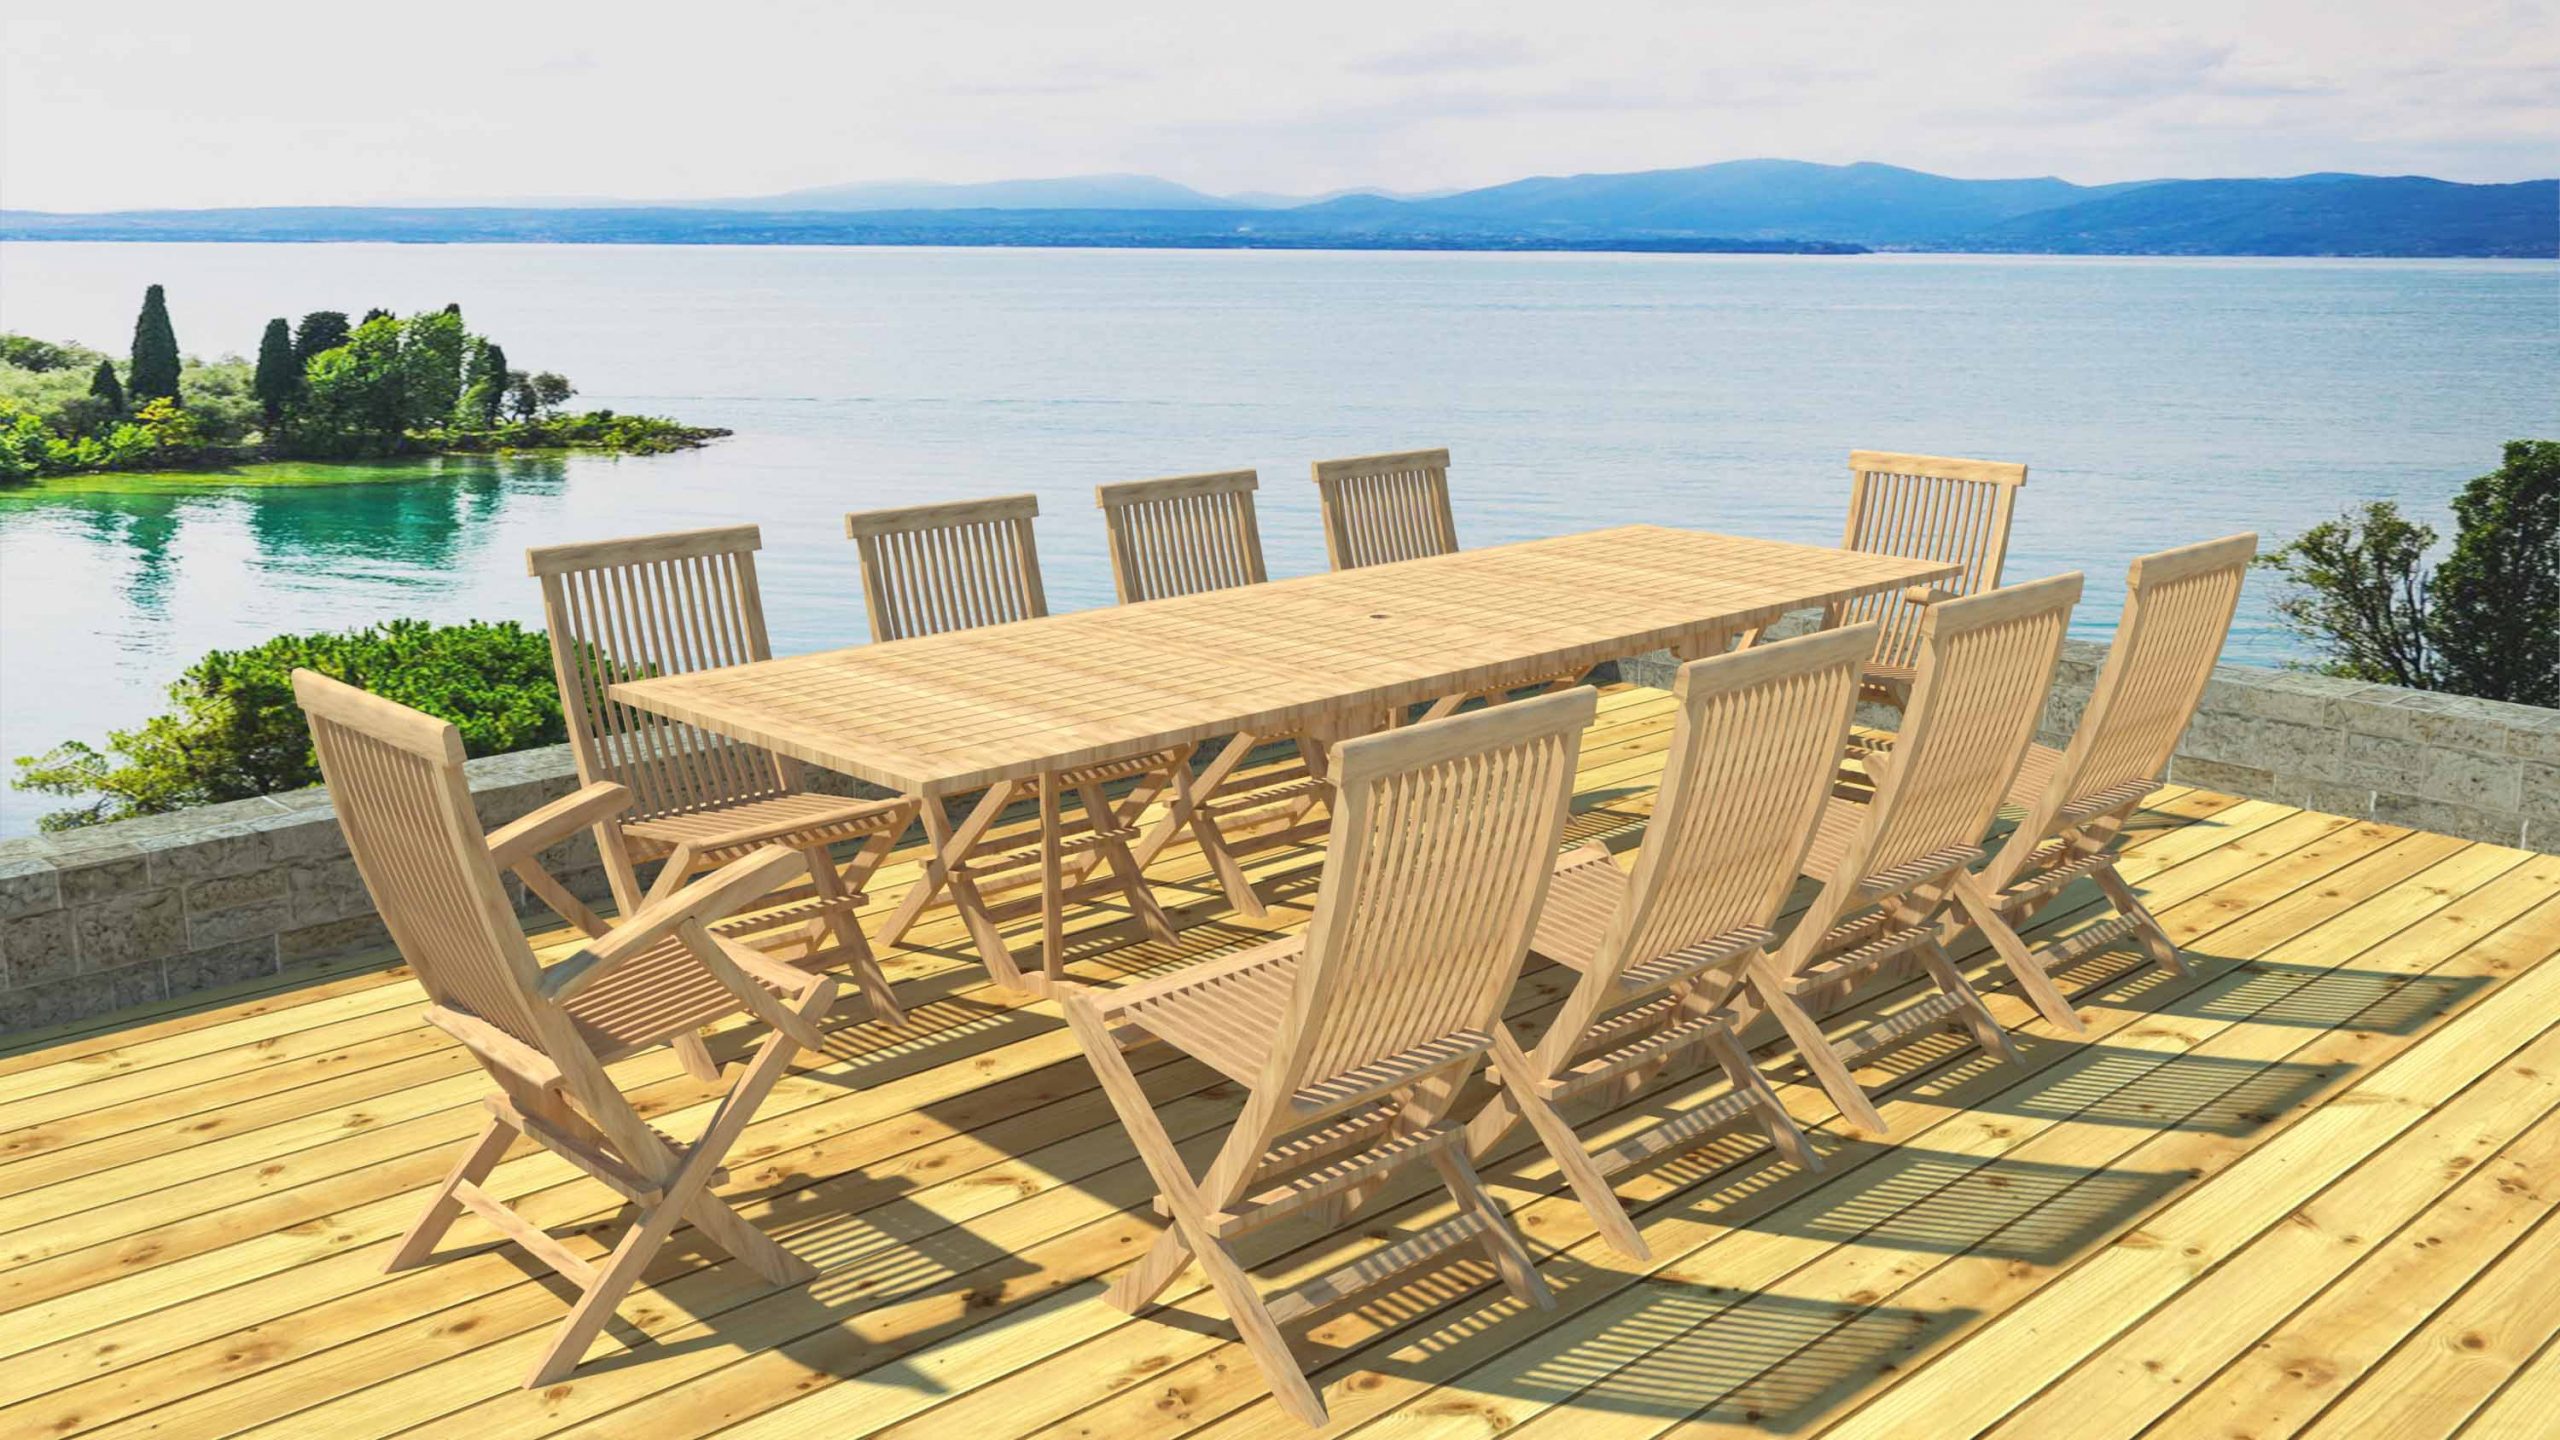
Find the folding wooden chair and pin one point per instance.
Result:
(1381, 509)
(665, 605)
(1354, 1037)
(1928, 507)
(1661, 954)
(1891, 866)
(929, 569)
(546, 1036)
(1182, 536)
(2177, 611)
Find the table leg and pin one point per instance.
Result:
(1715, 642)
(946, 850)
(1053, 920)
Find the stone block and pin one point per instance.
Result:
(230, 892)
(217, 852)
(2327, 796)
(324, 890)
(2540, 801)
(2481, 782)
(29, 885)
(103, 875)
(259, 919)
(77, 997)
(2421, 812)
(332, 938)
(37, 947)
(227, 964)
(2538, 739)
(2444, 721)
(129, 928)
(2221, 776)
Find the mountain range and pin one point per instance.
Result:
(1735, 205)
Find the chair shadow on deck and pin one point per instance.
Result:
(873, 1250)
(1669, 1351)
(2150, 1090)
(1947, 1204)
(2276, 992)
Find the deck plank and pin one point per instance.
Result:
(197, 1198)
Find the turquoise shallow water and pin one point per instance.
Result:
(2157, 401)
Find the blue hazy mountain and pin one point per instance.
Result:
(1735, 205)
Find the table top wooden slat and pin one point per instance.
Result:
(944, 713)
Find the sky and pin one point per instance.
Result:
(142, 103)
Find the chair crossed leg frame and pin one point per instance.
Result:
(1229, 815)
(1287, 1156)
(1095, 856)
(1830, 960)
(1620, 1053)
(662, 1183)
(2084, 851)
(825, 915)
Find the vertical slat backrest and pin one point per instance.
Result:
(1928, 507)
(1752, 754)
(1379, 509)
(1986, 663)
(1182, 535)
(656, 605)
(1443, 837)
(2177, 612)
(395, 779)
(927, 569)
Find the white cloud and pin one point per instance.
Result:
(140, 103)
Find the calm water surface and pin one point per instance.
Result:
(2157, 401)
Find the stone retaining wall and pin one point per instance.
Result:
(2479, 769)
(120, 915)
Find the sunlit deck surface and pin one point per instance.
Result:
(2307, 1189)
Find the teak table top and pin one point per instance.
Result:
(940, 714)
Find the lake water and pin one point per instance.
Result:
(2157, 402)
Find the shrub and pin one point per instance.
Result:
(233, 730)
(2485, 623)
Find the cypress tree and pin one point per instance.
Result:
(154, 372)
(321, 330)
(105, 387)
(278, 377)
(489, 387)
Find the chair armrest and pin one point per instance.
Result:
(713, 897)
(1927, 594)
(527, 835)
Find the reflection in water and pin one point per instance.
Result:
(419, 528)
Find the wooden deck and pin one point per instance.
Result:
(2309, 1189)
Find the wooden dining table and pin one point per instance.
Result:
(993, 710)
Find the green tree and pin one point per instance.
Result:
(278, 377)
(431, 350)
(25, 352)
(233, 730)
(103, 385)
(2496, 598)
(484, 387)
(154, 372)
(2486, 623)
(351, 396)
(320, 330)
(376, 313)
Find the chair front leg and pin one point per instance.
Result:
(846, 930)
(1976, 907)
(1519, 1094)
(477, 1161)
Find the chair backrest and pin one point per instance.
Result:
(656, 605)
(1182, 535)
(1986, 663)
(2177, 612)
(1443, 836)
(1750, 765)
(395, 778)
(1382, 508)
(1928, 507)
(931, 568)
